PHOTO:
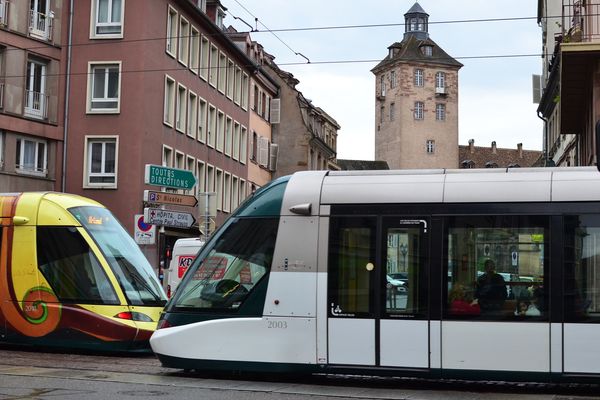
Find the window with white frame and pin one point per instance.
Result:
(36, 99)
(244, 102)
(167, 156)
(172, 32)
(201, 175)
(213, 72)
(31, 156)
(219, 188)
(107, 17)
(430, 146)
(1, 150)
(235, 153)
(392, 111)
(190, 165)
(194, 50)
(440, 112)
(169, 105)
(230, 79)
(210, 178)
(192, 114)
(181, 108)
(237, 95)
(212, 126)
(220, 130)
(440, 80)
(104, 87)
(101, 161)
(179, 159)
(184, 40)
(204, 57)
(392, 79)
(419, 106)
(427, 50)
(227, 192)
(235, 192)
(202, 114)
(243, 145)
(228, 136)
(418, 77)
(382, 84)
(222, 81)
(242, 189)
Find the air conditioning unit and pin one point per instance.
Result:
(440, 90)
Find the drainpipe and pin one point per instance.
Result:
(67, 92)
(545, 150)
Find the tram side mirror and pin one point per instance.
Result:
(598, 144)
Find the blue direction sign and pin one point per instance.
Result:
(169, 177)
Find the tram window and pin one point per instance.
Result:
(70, 267)
(405, 285)
(351, 265)
(223, 277)
(582, 268)
(496, 267)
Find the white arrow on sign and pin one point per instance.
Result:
(174, 219)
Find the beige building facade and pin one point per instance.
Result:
(416, 104)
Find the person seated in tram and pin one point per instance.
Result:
(525, 307)
(491, 290)
(460, 303)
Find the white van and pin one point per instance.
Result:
(184, 253)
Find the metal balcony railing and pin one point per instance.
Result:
(4, 12)
(40, 25)
(36, 104)
(580, 21)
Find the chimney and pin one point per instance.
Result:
(472, 146)
(494, 147)
(520, 149)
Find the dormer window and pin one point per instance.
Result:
(427, 50)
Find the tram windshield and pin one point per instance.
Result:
(134, 273)
(223, 277)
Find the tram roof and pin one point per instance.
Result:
(462, 185)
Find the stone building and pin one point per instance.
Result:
(417, 100)
(472, 156)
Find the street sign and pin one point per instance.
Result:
(169, 177)
(174, 219)
(152, 196)
(143, 233)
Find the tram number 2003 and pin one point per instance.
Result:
(277, 324)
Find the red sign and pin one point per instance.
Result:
(183, 263)
(212, 268)
(246, 275)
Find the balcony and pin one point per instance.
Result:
(580, 21)
(40, 25)
(579, 51)
(36, 105)
(3, 13)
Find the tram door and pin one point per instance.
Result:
(377, 292)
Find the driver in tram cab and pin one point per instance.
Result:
(491, 290)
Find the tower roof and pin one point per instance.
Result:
(416, 9)
(411, 50)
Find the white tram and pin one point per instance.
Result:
(499, 275)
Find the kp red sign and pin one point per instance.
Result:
(183, 263)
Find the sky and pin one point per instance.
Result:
(495, 93)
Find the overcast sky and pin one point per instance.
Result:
(495, 94)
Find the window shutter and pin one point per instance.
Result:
(275, 111)
(263, 151)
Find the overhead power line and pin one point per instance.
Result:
(323, 62)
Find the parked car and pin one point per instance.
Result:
(396, 284)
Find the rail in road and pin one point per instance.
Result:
(146, 370)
